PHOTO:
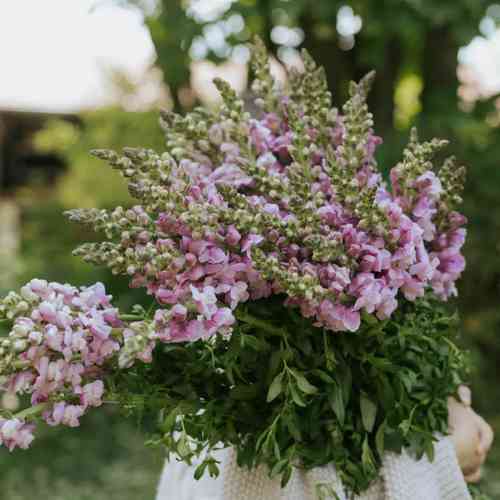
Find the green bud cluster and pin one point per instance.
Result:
(417, 159)
(358, 122)
(345, 161)
(188, 135)
(233, 117)
(127, 258)
(12, 306)
(310, 89)
(453, 180)
(134, 345)
(263, 84)
(293, 283)
(112, 223)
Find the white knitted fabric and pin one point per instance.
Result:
(401, 478)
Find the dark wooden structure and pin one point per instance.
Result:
(19, 161)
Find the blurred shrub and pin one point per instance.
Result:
(88, 181)
(106, 458)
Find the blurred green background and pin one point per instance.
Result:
(413, 45)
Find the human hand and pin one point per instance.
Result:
(470, 433)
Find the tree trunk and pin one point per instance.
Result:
(439, 73)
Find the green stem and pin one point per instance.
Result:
(7, 321)
(131, 317)
(117, 333)
(326, 348)
(150, 309)
(32, 411)
(247, 318)
(20, 364)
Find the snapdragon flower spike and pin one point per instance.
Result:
(290, 202)
(56, 351)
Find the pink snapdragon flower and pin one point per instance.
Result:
(215, 269)
(15, 433)
(59, 346)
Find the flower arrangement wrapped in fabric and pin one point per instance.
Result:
(296, 313)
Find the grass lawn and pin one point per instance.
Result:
(104, 459)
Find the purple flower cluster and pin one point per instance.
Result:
(291, 203)
(206, 282)
(214, 269)
(56, 350)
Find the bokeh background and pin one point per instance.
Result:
(82, 74)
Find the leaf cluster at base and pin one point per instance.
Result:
(287, 394)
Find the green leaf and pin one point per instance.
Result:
(292, 426)
(380, 363)
(277, 451)
(324, 376)
(369, 319)
(275, 388)
(274, 363)
(337, 403)
(345, 378)
(213, 470)
(303, 384)
(367, 457)
(429, 450)
(200, 470)
(297, 399)
(325, 491)
(409, 379)
(278, 467)
(170, 420)
(183, 448)
(368, 412)
(287, 474)
(385, 393)
(244, 392)
(405, 426)
(252, 342)
(262, 439)
(393, 441)
(379, 439)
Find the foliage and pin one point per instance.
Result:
(415, 57)
(422, 41)
(413, 46)
(86, 183)
(420, 26)
(315, 399)
(47, 240)
(288, 207)
(113, 463)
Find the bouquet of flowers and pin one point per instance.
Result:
(296, 295)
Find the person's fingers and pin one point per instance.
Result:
(465, 395)
(471, 463)
(457, 413)
(486, 435)
(474, 477)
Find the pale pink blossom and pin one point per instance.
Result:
(92, 393)
(15, 433)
